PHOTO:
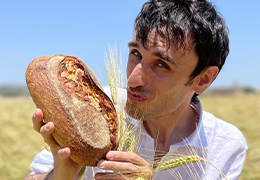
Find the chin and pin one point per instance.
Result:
(132, 110)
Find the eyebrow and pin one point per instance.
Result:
(133, 44)
(158, 53)
(165, 57)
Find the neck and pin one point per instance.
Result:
(172, 128)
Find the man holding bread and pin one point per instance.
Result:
(177, 51)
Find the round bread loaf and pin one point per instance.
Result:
(69, 95)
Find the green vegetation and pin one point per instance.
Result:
(20, 143)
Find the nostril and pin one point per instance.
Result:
(131, 89)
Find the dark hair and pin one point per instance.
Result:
(179, 20)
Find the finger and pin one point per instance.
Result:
(62, 158)
(46, 132)
(125, 167)
(126, 157)
(118, 176)
(37, 120)
(47, 129)
(63, 154)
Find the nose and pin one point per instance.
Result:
(136, 75)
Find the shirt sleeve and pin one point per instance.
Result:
(235, 169)
(42, 162)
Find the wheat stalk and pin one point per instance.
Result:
(129, 138)
(115, 78)
(180, 161)
(81, 173)
(114, 72)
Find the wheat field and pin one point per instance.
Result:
(244, 112)
(19, 142)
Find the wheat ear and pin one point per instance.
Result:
(114, 72)
(180, 161)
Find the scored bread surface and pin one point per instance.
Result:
(69, 95)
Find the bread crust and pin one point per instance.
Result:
(69, 95)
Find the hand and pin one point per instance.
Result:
(64, 167)
(127, 165)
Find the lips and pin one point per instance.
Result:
(135, 97)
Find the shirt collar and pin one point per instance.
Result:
(198, 137)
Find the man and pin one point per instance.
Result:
(178, 49)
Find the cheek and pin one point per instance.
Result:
(128, 71)
(170, 92)
(130, 67)
(173, 98)
(167, 86)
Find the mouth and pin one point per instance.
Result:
(134, 96)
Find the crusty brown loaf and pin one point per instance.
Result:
(69, 95)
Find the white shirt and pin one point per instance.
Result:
(217, 141)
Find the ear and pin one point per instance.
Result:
(205, 79)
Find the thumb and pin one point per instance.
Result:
(63, 154)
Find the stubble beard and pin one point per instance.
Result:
(146, 111)
(132, 110)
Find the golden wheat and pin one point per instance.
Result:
(81, 173)
(129, 137)
(180, 161)
(114, 72)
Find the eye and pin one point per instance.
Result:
(136, 53)
(163, 65)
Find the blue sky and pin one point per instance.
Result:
(85, 28)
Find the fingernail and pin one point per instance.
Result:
(47, 126)
(62, 152)
(101, 164)
(110, 155)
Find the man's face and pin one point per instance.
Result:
(158, 77)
